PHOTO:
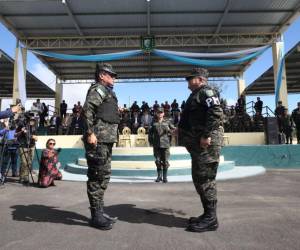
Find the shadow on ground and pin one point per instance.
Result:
(156, 216)
(42, 213)
(125, 212)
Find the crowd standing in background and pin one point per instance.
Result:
(237, 118)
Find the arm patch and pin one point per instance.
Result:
(101, 92)
(212, 101)
(209, 93)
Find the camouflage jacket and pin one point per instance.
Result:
(202, 117)
(160, 134)
(104, 131)
(296, 116)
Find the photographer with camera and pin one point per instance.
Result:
(26, 136)
(49, 165)
(10, 112)
(9, 150)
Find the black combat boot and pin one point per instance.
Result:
(112, 219)
(98, 220)
(209, 221)
(105, 215)
(199, 218)
(159, 176)
(165, 175)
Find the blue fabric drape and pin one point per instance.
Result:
(231, 54)
(90, 58)
(209, 63)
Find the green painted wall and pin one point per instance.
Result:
(269, 156)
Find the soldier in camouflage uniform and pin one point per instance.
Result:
(258, 122)
(287, 126)
(296, 120)
(159, 138)
(201, 133)
(101, 119)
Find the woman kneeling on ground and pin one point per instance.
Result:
(49, 165)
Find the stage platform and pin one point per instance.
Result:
(136, 164)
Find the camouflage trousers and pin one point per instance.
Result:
(99, 172)
(204, 170)
(162, 156)
(26, 158)
(298, 134)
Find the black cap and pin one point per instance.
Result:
(107, 68)
(197, 72)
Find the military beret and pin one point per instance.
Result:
(197, 72)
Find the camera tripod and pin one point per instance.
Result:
(23, 152)
(5, 150)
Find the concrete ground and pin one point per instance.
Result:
(261, 212)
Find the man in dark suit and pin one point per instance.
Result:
(135, 122)
(55, 122)
(63, 109)
(76, 125)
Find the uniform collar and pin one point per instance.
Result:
(106, 86)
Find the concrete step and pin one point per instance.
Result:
(145, 168)
(234, 173)
(143, 161)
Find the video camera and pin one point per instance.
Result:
(21, 118)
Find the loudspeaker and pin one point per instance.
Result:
(271, 130)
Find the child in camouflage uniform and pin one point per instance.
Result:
(159, 138)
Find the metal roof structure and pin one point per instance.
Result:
(99, 26)
(264, 84)
(34, 87)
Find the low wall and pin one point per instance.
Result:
(253, 138)
(269, 156)
(62, 141)
(254, 153)
(74, 141)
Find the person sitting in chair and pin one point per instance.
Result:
(49, 165)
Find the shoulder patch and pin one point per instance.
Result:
(209, 93)
(101, 92)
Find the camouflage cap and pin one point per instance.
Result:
(107, 68)
(160, 110)
(197, 72)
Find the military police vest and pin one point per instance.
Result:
(194, 116)
(108, 110)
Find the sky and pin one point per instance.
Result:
(149, 92)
